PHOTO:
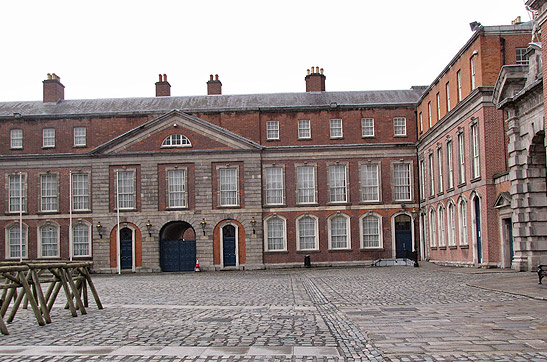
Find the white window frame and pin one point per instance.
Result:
(474, 150)
(16, 139)
(431, 174)
(176, 141)
(75, 241)
(448, 97)
(451, 221)
(438, 106)
(272, 130)
(378, 218)
(429, 116)
(461, 158)
(180, 194)
(336, 128)
(316, 232)
(81, 194)
(441, 226)
(271, 194)
(449, 165)
(432, 228)
(395, 180)
(300, 188)
(463, 222)
(459, 83)
(338, 188)
(49, 197)
(223, 188)
(367, 127)
(80, 136)
(347, 221)
(368, 182)
(267, 236)
(9, 244)
(421, 122)
(304, 129)
(48, 137)
(399, 127)
(56, 227)
(440, 163)
(422, 179)
(472, 69)
(520, 56)
(14, 196)
(129, 198)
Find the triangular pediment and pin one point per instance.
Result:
(164, 134)
(503, 200)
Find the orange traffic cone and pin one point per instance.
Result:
(197, 265)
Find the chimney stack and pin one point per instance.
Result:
(163, 88)
(315, 80)
(54, 91)
(214, 86)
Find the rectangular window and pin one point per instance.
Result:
(274, 186)
(272, 130)
(177, 186)
(48, 137)
(228, 187)
(337, 183)
(17, 193)
(442, 240)
(461, 158)
(431, 175)
(429, 114)
(521, 56)
(336, 128)
(438, 106)
(421, 123)
(81, 240)
(304, 129)
(422, 179)
(80, 191)
(80, 138)
(369, 183)
(367, 127)
(16, 138)
(307, 233)
(49, 192)
(49, 241)
(371, 231)
(276, 233)
(339, 232)
(449, 165)
(462, 218)
(472, 66)
(306, 184)
(451, 225)
(432, 229)
(475, 164)
(16, 245)
(448, 96)
(440, 169)
(401, 173)
(459, 80)
(399, 126)
(126, 190)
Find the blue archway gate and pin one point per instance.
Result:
(177, 247)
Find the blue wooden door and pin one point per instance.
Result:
(478, 230)
(126, 248)
(403, 235)
(177, 255)
(229, 245)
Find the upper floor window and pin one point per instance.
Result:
(402, 184)
(177, 188)
(475, 157)
(48, 137)
(339, 235)
(336, 128)
(276, 235)
(448, 96)
(440, 169)
(429, 114)
(17, 242)
(399, 126)
(305, 188)
(80, 138)
(367, 127)
(49, 192)
(431, 175)
(337, 183)
(521, 57)
(80, 191)
(228, 186)
(81, 239)
(304, 129)
(17, 193)
(272, 130)
(16, 138)
(274, 186)
(176, 140)
(125, 184)
(422, 179)
(461, 158)
(308, 232)
(49, 240)
(449, 165)
(421, 122)
(459, 81)
(370, 183)
(371, 231)
(438, 106)
(472, 68)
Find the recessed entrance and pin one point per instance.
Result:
(177, 247)
(477, 206)
(403, 235)
(229, 245)
(126, 248)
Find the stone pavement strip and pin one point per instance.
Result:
(396, 314)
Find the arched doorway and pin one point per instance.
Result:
(403, 235)
(229, 245)
(478, 233)
(177, 247)
(126, 248)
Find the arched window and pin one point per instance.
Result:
(275, 231)
(462, 221)
(81, 239)
(48, 240)
(432, 229)
(370, 226)
(15, 244)
(176, 140)
(441, 225)
(307, 232)
(451, 215)
(339, 231)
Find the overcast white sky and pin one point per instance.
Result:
(115, 48)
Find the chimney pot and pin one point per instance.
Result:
(308, 72)
(163, 88)
(210, 77)
(160, 78)
(49, 76)
(53, 90)
(321, 70)
(216, 76)
(214, 86)
(315, 82)
(165, 77)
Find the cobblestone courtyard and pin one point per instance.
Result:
(355, 314)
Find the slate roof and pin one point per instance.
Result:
(212, 103)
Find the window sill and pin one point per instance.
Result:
(308, 251)
(126, 210)
(442, 247)
(464, 246)
(304, 138)
(272, 139)
(376, 202)
(229, 207)
(16, 148)
(48, 147)
(452, 247)
(433, 248)
(48, 212)
(338, 203)
(440, 193)
(16, 213)
(431, 197)
(371, 249)
(272, 252)
(81, 211)
(337, 138)
(364, 137)
(475, 179)
(450, 189)
(400, 135)
(79, 146)
(463, 184)
(177, 208)
(339, 250)
(274, 205)
(310, 204)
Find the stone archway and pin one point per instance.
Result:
(177, 247)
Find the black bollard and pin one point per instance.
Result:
(307, 262)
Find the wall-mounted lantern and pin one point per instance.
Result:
(203, 224)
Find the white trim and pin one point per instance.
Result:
(331, 128)
(474, 195)
(380, 230)
(90, 244)
(393, 233)
(348, 230)
(441, 225)
(363, 135)
(40, 249)
(236, 226)
(133, 240)
(284, 220)
(7, 239)
(316, 231)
